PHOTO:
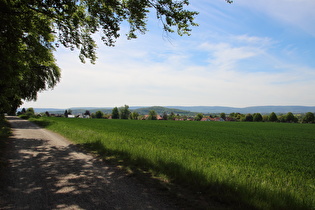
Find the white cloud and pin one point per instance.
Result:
(224, 55)
(253, 40)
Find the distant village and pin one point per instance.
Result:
(125, 113)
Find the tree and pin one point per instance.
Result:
(31, 30)
(30, 110)
(66, 113)
(249, 118)
(223, 116)
(239, 116)
(124, 112)
(115, 113)
(99, 114)
(164, 117)
(152, 115)
(199, 116)
(27, 64)
(273, 117)
(28, 113)
(282, 118)
(134, 115)
(257, 117)
(232, 115)
(172, 116)
(309, 118)
(87, 112)
(23, 111)
(265, 118)
(290, 117)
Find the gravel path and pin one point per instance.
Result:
(48, 172)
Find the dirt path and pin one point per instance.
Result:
(47, 172)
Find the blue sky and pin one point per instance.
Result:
(241, 54)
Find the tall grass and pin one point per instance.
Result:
(257, 165)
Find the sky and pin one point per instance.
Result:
(241, 54)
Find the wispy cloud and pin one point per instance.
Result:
(223, 55)
(122, 79)
(297, 13)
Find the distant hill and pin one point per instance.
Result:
(188, 110)
(160, 110)
(252, 109)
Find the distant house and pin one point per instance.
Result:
(205, 119)
(217, 119)
(158, 117)
(71, 116)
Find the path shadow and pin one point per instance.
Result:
(214, 195)
(61, 177)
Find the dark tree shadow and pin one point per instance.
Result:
(220, 194)
(60, 177)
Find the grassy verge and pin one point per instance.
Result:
(5, 131)
(245, 165)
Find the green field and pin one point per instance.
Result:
(258, 165)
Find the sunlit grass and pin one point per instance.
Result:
(260, 165)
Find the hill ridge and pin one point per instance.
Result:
(186, 110)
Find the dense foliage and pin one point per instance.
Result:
(4, 129)
(260, 165)
(30, 31)
(26, 114)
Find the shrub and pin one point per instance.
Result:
(152, 115)
(309, 118)
(249, 118)
(99, 114)
(257, 117)
(273, 117)
(28, 114)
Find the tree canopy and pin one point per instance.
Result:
(152, 115)
(115, 113)
(124, 112)
(309, 117)
(273, 117)
(31, 30)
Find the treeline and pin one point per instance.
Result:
(27, 113)
(125, 113)
(309, 117)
